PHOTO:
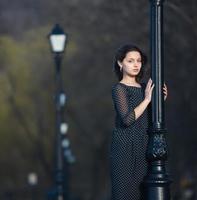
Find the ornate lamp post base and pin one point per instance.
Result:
(157, 181)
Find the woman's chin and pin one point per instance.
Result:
(133, 74)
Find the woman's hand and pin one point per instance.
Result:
(165, 91)
(148, 90)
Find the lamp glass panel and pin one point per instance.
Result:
(57, 43)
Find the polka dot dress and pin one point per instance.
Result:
(128, 146)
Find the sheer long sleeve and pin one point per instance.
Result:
(123, 109)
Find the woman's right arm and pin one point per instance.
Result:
(143, 105)
(121, 103)
(128, 114)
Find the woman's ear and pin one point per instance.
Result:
(120, 65)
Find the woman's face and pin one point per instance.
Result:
(131, 64)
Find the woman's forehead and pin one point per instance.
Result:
(133, 54)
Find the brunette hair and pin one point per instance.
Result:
(121, 54)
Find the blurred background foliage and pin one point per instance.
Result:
(96, 28)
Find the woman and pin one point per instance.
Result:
(129, 139)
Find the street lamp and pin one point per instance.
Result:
(157, 181)
(58, 40)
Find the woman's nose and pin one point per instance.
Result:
(136, 64)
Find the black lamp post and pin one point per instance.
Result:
(58, 40)
(157, 182)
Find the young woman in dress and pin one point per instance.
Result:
(131, 99)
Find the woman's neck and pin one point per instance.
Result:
(129, 80)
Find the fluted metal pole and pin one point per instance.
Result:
(157, 182)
